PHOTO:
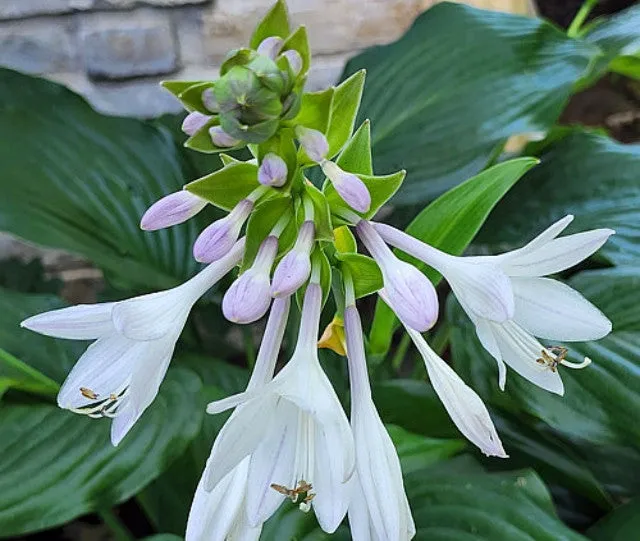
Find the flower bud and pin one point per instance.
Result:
(248, 298)
(349, 186)
(270, 47)
(295, 267)
(172, 209)
(209, 100)
(193, 122)
(221, 138)
(217, 239)
(272, 171)
(295, 60)
(409, 292)
(315, 144)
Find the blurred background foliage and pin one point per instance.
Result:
(451, 98)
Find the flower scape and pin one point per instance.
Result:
(288, 437)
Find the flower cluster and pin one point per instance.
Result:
(289, 437)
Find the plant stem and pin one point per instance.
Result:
(440, 339)
(580, 18)
(401, 351)
(120, 531)
(249, 346)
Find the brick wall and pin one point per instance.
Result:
(116, 51)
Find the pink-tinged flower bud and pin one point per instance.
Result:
(272, 171)
(349, 187)
(270, 47)
(209, 100)
(248, 298)
(295, 267)
(410, 293)
(295, 60)
(172, 209)
(217, 239)
(221, 138)
(315, 144)
(193, 122)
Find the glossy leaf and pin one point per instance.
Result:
(585, 174)
(457, 85)
(83, 471)
(14, 374)
(450, 223)
(356, 155)
(344, 108)
(315, 109)
(621, 524)
(80, 181)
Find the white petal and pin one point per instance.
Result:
(240, 436)
(273, 461)
(482, 288)
(520, 350)
(81, 322)
(359, 517)
(464, 406)
(151, 369)
(541, 240)
(330, 480)
(213, 514)
(105, 367)
(233, 401)
(552, 310)
(558, 254)
(488, 341)
(152, 316)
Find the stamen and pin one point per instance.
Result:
(576, 366)
(106, 407)
(301, 495)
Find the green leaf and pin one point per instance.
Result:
(344, 109)
(178, 87)
(315, 110)
(417, 452)
(381, 188)
(321, 212)
(626, 65)
(585, 174)
(364, 271)
(356, 155)
(344, 242)
(14, 374)
(448, 505)
(57, 465)
(262, 221)
(191, 97)
(457, 85)
(80, 181)
(617, 36)
(274, 23)
(619, 525)
(201, 140)
(228, 186)
(450, 223)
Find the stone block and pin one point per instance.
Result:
(37, 46)
(17, 9)
(123, 4)
(125, 45)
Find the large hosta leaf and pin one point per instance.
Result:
(56, 465)
(77, 180)
(584, 174)
(460, 82)
(466, 506)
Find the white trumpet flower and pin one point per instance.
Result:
(295, 432)
(220, 514)
(118, 376)
(510, 302)
(379, 510)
